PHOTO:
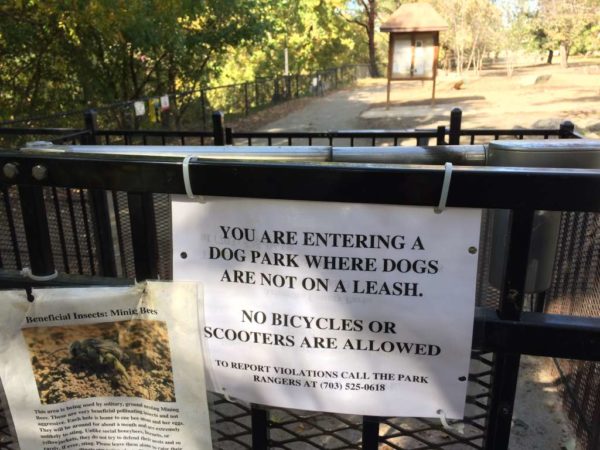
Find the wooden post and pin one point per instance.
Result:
(436, 54)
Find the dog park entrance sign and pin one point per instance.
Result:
(345, 308)
(104, 367)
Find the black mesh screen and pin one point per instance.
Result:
(576, 291)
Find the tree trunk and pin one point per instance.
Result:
(550, 56)
(371, 14)
(564, 55)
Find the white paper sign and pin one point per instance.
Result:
(164, 103)
(105, 368)
(347, 308)
(140, 108)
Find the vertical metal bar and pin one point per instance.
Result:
(11, 228)
(35, 222)
(423, 140)
(260, 428)
(105, 250)
(218, 119)
(75, 231)
(228, 136)
(440, 135)
(260, 417)
(539, 301)
(370, 433)
(455, 124)
(246, 100)
(61, 230)
(119, 226)
(203, 106)
(90, 120)
(102, 230)
(143, 235)
(288, 87)
(506, 365)
(88, 232)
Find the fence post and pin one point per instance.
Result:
(506, 365)
(370, 433)
(37, 233)
(203, 106)
(297, 85)
(566, 130)
(441, 135)
(218, 119)
(103, 237)
(246, 100)
(90, 120)
(143, 235)
(229, 136)
(288, 87)
(455, 124)
(256, 96)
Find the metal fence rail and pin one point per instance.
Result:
(137, 185)
(72, 196)
(192, 109)
(453, 134)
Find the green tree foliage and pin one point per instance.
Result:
(64, 54)
(565, 24)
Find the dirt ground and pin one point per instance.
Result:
(489, 100)
(535, 96)
(129, 358)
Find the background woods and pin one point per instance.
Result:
(63, 55)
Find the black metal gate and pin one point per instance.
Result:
(55, 214)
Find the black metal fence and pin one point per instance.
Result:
(60, 219)
(192, 109)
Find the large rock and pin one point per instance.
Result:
(532, 80)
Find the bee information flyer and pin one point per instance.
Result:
(105, 367)
(337, 307)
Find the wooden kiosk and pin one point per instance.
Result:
(414, 44)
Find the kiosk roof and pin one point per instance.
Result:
(414, 17)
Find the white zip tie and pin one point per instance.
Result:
(445, 189)
(26, 272)
(458, 428)
(186, 180)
